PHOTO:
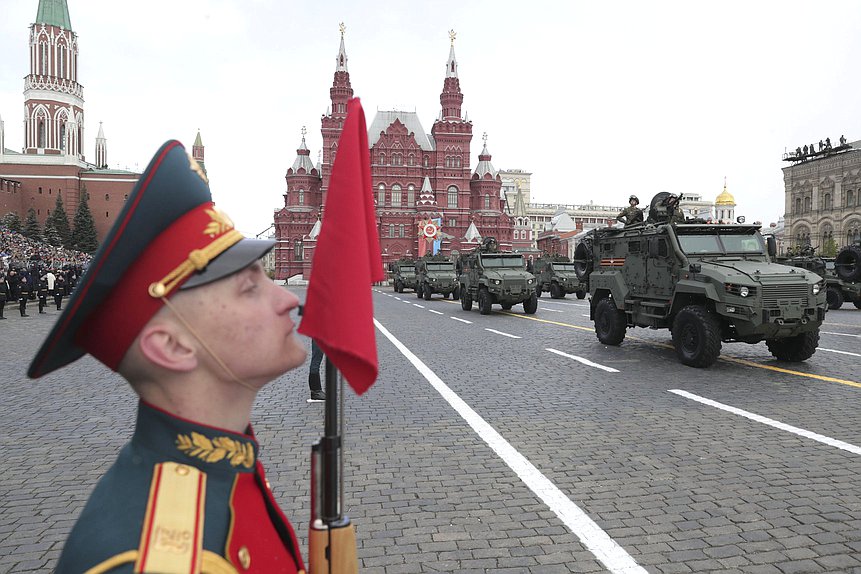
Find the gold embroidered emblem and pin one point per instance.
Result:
(195, 167)
(219, 224)
(217, 449)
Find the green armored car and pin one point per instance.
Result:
(707, 284)
(489, 277)
(403, 272)
(847, 268)
(837, 289)
(436, 274)
(557, 275)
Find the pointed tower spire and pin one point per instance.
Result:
(484, 166)
(451, 98)
(101, 149)
(303, 156)
(341, 60)
(426, 195)
(197, 151)
(54, 13)
(451, 66)
(339, 93)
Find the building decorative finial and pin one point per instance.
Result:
(343, 29)
(484, 138)
(452, 34)
(304, 131)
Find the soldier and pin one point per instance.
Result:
(59, 289)
(674, 212)
(4, 293)
(631, 214)
(177, 302)
(23, 293)
(42, 293)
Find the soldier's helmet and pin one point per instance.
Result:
(635, 198)
(489, 244)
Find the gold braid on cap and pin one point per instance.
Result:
(198, 259)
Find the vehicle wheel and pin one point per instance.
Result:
(418, 291)
(834, 296)
(456, 293)
(485, 303)
(555, 291)
(857, 303)
(507, 306)
(696, 336)
(583, 259)
(465, 300)
(847, 264)
(530, 306)
(427, 292)
(538, 291)
(794, 349)
(610, 323)
(581, 294)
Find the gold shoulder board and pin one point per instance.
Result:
(172, 536)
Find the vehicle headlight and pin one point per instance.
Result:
(497, 281)
(817, 288)
(744, 291)
(530, 281)
(432, 278)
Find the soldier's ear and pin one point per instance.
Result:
(163, 344)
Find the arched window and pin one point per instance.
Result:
(807, 204)
(452, 196)
(827, 201)
(797, 205)
(486, 201)
(301, 197)
(61, 61)
(516, 234)
(397, 159)
(63, 136)
(425, 161)
(298, 250)
(401, 230)
(391, 229)
(40, 130)
(850, 198)
(396, 193)
(381, 194)
(411, 195)
(43, 57)
(853, 233)
(412, 159)
(382, 159)
(107, 197)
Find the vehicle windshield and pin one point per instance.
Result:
(721, 243)
(496, 261)
(563, 266)
(439, 267)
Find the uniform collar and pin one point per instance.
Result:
(203, 446)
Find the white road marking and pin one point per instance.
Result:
(770, 422)
(543, 308)
(398, 298)
(419, 306)
(841, 334)
(836, 351)
(561, 303)
(407, 302)
(599, 543)
(462, 320)
(437, 312)
(584, 315)
(501, 333)
(584, 361)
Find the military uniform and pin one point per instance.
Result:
(678, 216)
(182, 497)
(630, 215)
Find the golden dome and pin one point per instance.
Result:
(725, 198)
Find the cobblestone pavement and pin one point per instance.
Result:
(630, 476)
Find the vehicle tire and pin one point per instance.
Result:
(834, 296)
(485, 303)
(507, 306)
(556, 291)
(583, 259)
(847, 264)
(455, 295)
(696, 336)
(427, 292)
(419, 291)
(794, 349)
(857, 303)
(581, 294)
(610, 323)
(538, 291)
(530, 306)
(465, 300)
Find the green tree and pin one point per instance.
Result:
(12, 222)
(51, 234)
(32, 229)
(60, 221)
(829, 249)
(84, 237)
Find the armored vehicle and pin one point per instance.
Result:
(489, 277)
(436, 275)
(847, 268)
(557, 275)
(707, 284)
(403, 273)
(837, 290)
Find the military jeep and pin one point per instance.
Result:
(489, 277)
(707, 284)
(403, 273)
(557, 274)
(436, 274)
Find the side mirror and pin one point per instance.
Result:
(740, 219)
(771, 245)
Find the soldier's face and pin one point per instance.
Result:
(245, 319)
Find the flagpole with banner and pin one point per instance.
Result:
(348, 252)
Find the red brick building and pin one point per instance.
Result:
(416, 177)
(51, 161)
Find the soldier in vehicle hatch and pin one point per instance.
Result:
(631, 214)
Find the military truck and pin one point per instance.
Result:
(707, 284)
(837, 291)
(847, 268)
(403, 272)
(489, 276)
(556, 274)
(436, 274)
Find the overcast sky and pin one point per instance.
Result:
(597, 99)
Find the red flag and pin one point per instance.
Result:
(339, 310)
